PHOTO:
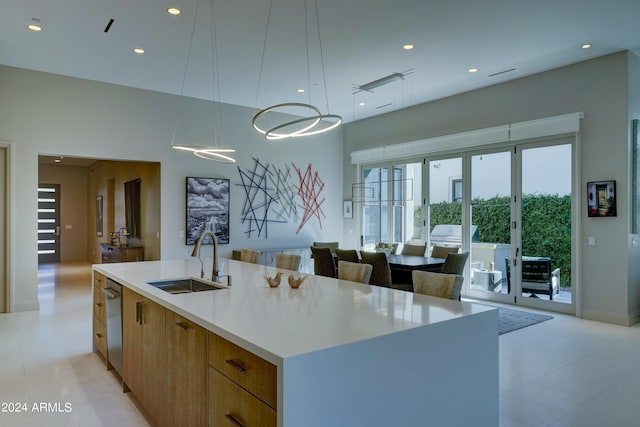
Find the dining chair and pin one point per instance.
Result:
(323, 262)
(249, 255)
(350, 255)
(354, 271)
(442, 251)
(236, 255)
(437, 284)
(288, 261)
(416, 250)
(331, 245)
(381, 273)
(454, 263)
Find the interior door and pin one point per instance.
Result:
(48, 223)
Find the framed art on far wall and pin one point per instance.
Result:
(207, 209)
(601, 198)
(347, 209)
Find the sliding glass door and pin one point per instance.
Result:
(544, 265)
(491, 224)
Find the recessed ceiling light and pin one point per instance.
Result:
(473, 70)
(174, 11)
(34, 27)
(407, 46)
(300, 91)
(138, 50)
(586, 46)
(362, 104)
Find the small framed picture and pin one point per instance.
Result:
(601, 198)
(347, 209)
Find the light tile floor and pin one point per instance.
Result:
(565, 372)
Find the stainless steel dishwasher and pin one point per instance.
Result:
(113, 296)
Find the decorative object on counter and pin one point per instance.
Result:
(294, 282)
(274, 281)
(207, 208)
(124, 236)
(601, 198)
(311, 121)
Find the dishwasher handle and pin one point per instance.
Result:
(111, 293)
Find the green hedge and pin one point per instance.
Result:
(546, 225)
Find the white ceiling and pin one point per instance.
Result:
(361, 41)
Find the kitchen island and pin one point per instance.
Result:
(343, 353)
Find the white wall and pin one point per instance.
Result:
(599, 88)
(49, 114)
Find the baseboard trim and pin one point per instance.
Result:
(26, 306)
(610, 317)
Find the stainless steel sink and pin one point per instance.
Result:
(186, 285)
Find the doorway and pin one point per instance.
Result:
(520, 201)
(48, 223)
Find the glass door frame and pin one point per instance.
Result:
(390, 165)
(541, 303)
(507, 298)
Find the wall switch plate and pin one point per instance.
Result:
(181, 234)
(591, 240)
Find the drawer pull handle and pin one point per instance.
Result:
(98, 304)
(236, 365)
(99, 335)
(234, 420)
(182, 325)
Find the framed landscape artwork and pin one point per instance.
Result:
(207, 209)
(601, 198)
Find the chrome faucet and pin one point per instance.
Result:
(216, 274)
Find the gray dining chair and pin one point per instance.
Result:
(288, 261)
(350, 255)
(249, 255)
(354, 271)
(381, 273)
(443, 251)
(323, 262)
(437, 284)
(454, 263)
(415, 250)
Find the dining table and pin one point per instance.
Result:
(402, 267)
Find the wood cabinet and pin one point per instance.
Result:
(186, 372)
(99, 315)
(115, 253)
(143, 345)
(242, 386)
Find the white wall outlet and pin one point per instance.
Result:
(591, 240)
(182, 234)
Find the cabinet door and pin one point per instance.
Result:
(186, 372)
(153, 360)
(131, 341)
(230, 404)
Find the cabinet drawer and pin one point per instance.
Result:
(245, 368)
(99, 279)
(100, 336)
(231, 405)
(99, 308)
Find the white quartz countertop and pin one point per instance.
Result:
(279, 323)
